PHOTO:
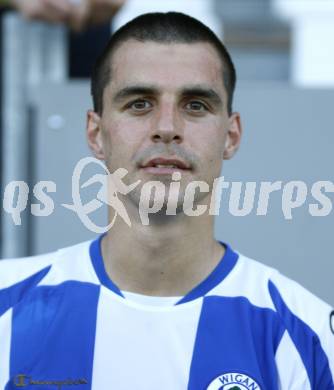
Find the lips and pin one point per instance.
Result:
(166, 163)
(162, 165)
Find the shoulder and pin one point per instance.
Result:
(274, 289)
(20, 276)
(265, 287)
(288, 297)
(16, 270)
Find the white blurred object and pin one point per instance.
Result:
(202, 10)
(312, 41)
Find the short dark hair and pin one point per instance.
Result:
(170, 27)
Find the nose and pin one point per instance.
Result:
(167, 126)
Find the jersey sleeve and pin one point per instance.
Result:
(305, 355)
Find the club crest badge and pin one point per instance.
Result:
(233, 381)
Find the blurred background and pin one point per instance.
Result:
(284, 55)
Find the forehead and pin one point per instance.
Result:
(167, 65)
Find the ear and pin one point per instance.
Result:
(233, 136)
(94, 134)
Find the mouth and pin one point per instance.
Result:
(163, 166)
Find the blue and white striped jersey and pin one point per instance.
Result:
(64, 325)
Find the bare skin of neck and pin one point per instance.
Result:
(168, 258)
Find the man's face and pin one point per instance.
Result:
(165, 111)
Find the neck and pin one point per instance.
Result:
(169, 257)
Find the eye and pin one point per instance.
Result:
(139, 105)
(196, 106)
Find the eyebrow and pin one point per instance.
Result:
(202, 92)
(187, 91)
(133, 90)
